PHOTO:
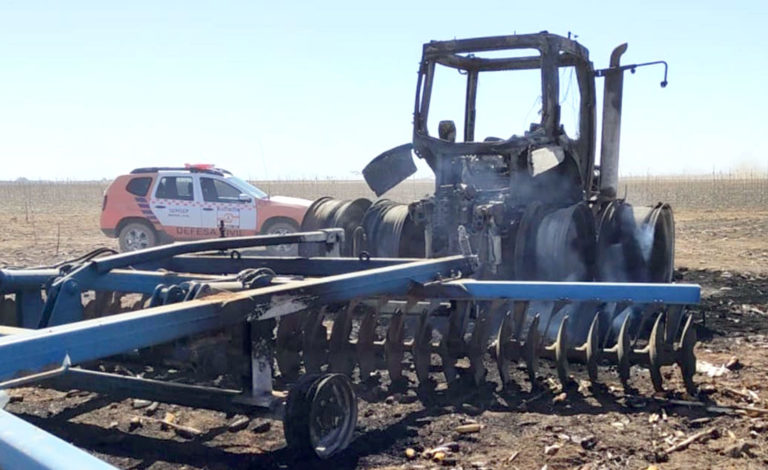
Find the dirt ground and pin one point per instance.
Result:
(591, 429)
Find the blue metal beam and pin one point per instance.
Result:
(12, 280)
(191, 268)
(119, 386)
(144, 282)
(26, 447)
(685, 294)
(166, 251)
(301, 266)
(100, 337)
(65, 290)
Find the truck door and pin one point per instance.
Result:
(221, 202)
(174, 206)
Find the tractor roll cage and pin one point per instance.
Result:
(554, 52)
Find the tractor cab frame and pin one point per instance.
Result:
(549, 53)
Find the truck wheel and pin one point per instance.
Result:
(137, 236)
(281, 227)
(320, 415)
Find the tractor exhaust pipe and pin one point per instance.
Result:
(611, 133)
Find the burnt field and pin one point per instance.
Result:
(722, 244)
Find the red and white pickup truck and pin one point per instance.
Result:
(157, 205)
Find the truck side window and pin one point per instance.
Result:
(215, 190)
(139, 186)
(175, 187)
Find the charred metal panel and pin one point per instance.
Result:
(390, 168)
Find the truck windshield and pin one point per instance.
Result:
(248, 187)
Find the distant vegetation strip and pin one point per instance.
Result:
(715, 191)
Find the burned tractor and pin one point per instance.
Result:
(531, 207)
(524, 251)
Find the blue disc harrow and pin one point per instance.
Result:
(310, 324)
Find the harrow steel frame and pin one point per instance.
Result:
(198, 287)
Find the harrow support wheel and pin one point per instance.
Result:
(320, 415)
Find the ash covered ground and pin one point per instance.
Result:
(587, 428)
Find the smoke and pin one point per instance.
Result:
(644, 239)
(637, 268)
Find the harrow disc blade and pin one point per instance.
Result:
(288, 346)
(340, 354)
(422, 349)
(508, 344)
(394, 347)
(477, 345)
(561, 352)
(686, 357)
(561, 331)
(655, 353)
(623, 351)
(592, 349)
(531, 350)
(505, 349)
(315, 341)
(673, 323)
(452, 344)
(366, 338)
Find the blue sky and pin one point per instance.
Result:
(316, 89)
